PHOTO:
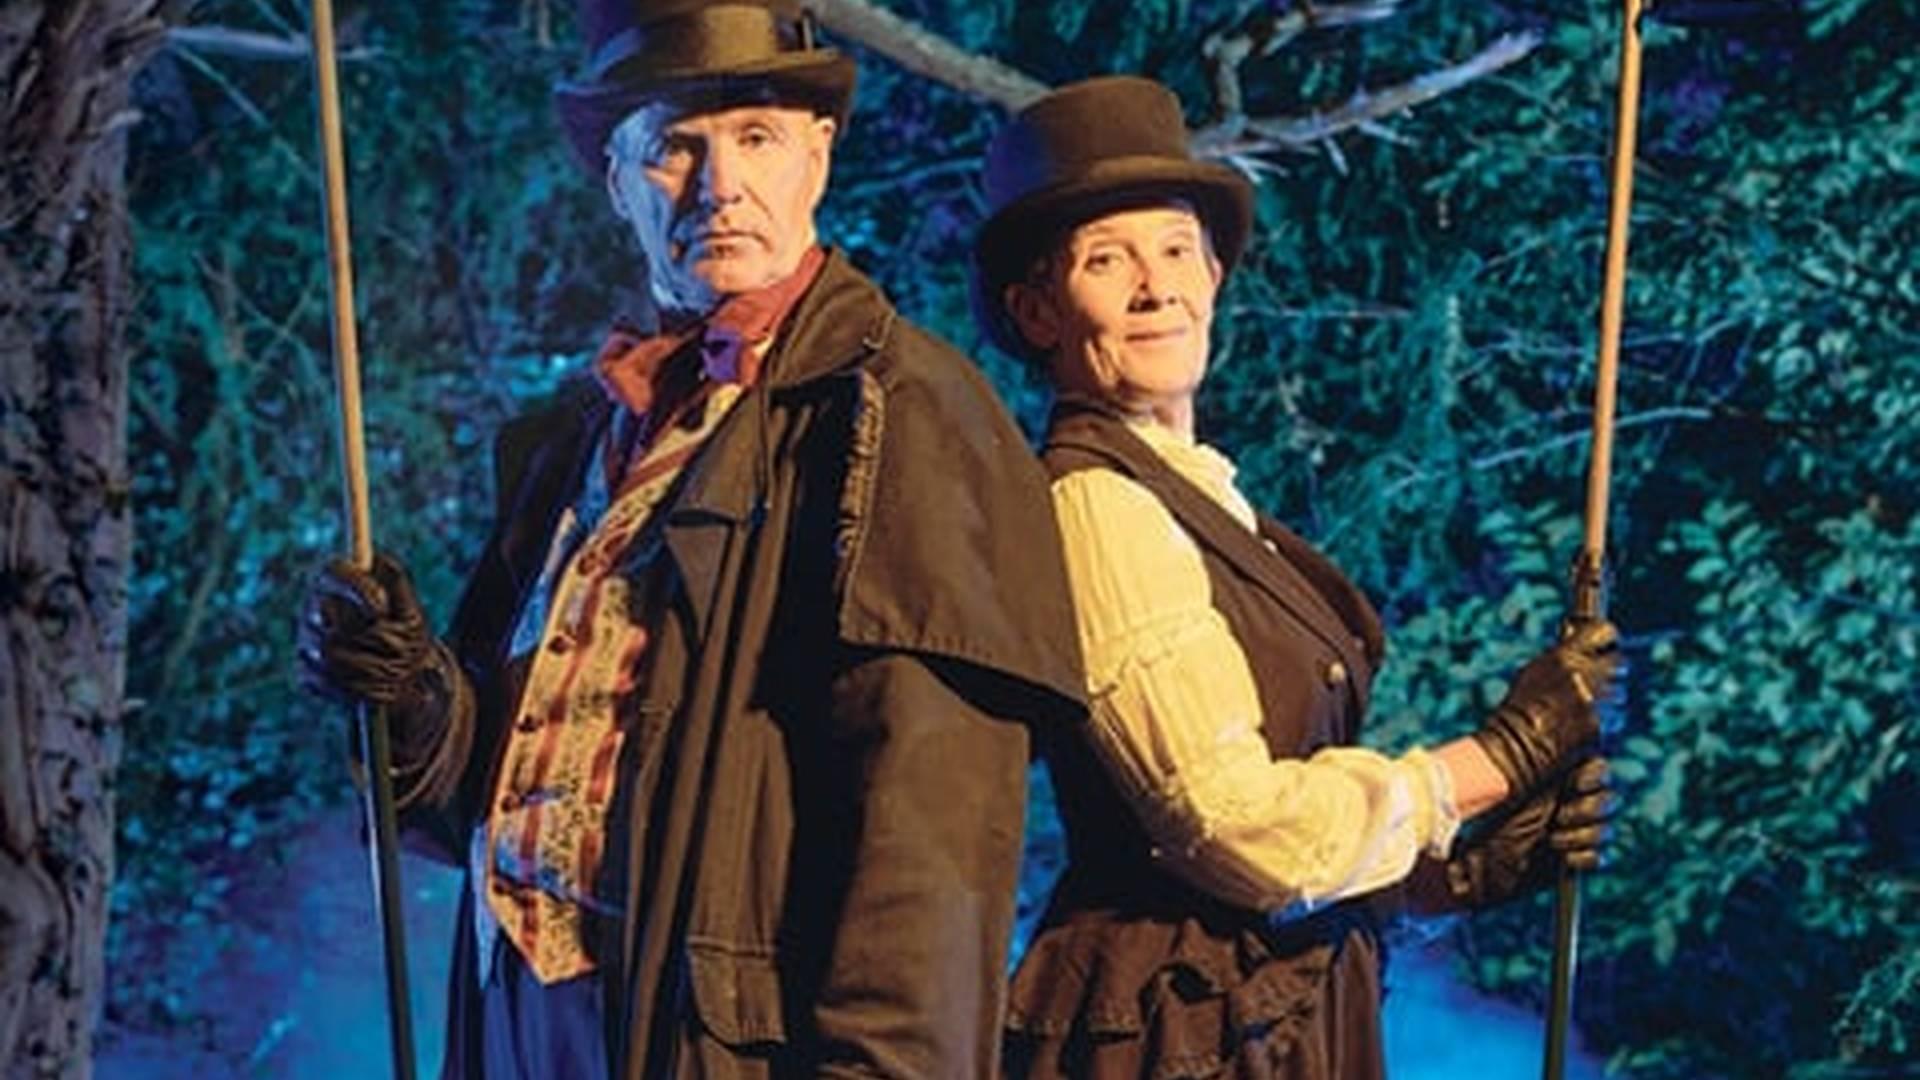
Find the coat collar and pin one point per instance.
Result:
(841, 319)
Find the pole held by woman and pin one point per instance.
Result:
(1589, 574)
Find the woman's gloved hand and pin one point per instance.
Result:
(1517, 852)
(1550, 718)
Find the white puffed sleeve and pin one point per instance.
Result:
(1176, 720)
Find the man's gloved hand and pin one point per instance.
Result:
(363, 639)
(1549, 718)
(1516, 855)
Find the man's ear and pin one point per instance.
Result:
(616, 189)
(821, 151)
(1034, 314)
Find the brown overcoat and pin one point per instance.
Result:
(825, 771)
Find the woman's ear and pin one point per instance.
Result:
(1034, 314)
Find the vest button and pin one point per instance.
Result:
(510, 802)
(1335, 673)
(527, 725)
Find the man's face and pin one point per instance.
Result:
(1126, 307)
(722, 201)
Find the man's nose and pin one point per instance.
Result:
(719, 175)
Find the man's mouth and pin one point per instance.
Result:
(722, 238)
(1148, 337)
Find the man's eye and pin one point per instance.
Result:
(670, 149)
(1179, 249)
(1098, 261)
(756, 137)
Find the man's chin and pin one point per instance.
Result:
(727, 275)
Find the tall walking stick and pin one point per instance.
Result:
(1589, 574)
(375, 749)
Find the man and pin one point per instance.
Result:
(729, 728)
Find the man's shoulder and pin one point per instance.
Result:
(553, 427)
(567, 405)
(923, 373)
(846, 314)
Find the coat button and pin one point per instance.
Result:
(510, 802)
(1335, 673)
(527, 725)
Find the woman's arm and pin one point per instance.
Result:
(1176, 720)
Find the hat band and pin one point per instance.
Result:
(710, 38)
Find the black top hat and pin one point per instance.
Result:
(641, 50)
(1082, 151)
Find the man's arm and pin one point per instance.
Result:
(914, 982)
(364, 642)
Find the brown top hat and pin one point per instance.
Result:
(1085, 150)
(641, 50)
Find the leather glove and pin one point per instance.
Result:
(1516, 854)
(363, 639)
(1549, 718)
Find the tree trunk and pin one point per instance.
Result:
(65, 71)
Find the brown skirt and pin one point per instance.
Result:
(1104, 995)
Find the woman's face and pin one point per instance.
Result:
(1125, 309)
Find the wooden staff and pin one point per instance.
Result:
(1589, 575)
(375, 747)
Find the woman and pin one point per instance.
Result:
(1227, 841)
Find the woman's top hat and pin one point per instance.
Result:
(1083, 151)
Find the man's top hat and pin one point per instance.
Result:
(641, 50)
(1085, 150)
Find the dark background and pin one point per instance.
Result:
(1403, 371)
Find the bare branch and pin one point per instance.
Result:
(1665, 415)
(247, 44)
(1270, 134)
(537, 15)
(1235, 137)
(1268, 34)
(234, 94)
(928, 54)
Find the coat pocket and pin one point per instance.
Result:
(736, 991)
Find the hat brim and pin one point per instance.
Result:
(820, 79)
(1024, 230)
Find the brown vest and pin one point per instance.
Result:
(1311, 639)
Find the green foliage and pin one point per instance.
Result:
(1403, 372)
(1420, 407)
(470, 270)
